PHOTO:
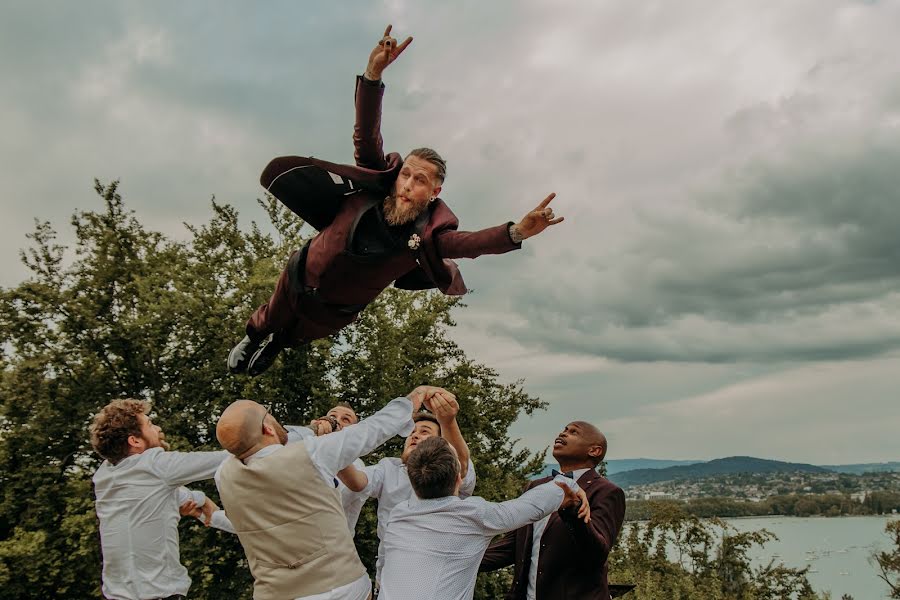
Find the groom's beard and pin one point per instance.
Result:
(400, 215)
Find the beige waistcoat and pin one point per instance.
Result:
(290, 523)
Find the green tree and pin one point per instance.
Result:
(129, 312)
(677, 555)
(888, 561)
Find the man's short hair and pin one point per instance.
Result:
(427, 417)
(434, 158)
(433, 468)
(114, 424)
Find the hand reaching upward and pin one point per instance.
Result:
(538, 219)
(384, 54)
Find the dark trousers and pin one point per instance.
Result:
(295, 316)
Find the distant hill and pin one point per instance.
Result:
(719, 466)
(861, 468)
(628, 464)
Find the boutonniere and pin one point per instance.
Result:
(414, 241)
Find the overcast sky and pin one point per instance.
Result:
(727, 280)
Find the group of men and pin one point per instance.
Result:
(292, 494)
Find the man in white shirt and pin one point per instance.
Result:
(138, 489)
(434, 542)
(282, 500)
(388, 480)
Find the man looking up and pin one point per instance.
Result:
(561, 557)
(339, 416)
(138, 488)
(283, 504)
(435, 541)
(388, 481)
(380, 222)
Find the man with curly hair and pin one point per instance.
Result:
(138, 488)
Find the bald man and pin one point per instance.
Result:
(562, 557)
(282, 501)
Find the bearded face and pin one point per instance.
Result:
(402, 211)
(417, 183)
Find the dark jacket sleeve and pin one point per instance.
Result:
(451, 243)
(501, 553)
(367, 141)
(596, 538)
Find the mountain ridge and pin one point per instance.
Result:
(634, 471)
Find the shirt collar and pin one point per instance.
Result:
(577, 473)
(262, 452)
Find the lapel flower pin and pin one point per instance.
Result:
(414, 241)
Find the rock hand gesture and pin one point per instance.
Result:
(384, 54)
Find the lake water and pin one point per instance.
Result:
(837, 549)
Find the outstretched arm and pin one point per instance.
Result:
(367, 140)
(496, 240)
(534, 505)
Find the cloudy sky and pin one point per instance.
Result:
(727, 280)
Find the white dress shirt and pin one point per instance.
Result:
(389, 482)
(137, 504)
(536, 544)
(433, 547)
(331, 453)
(352, 502)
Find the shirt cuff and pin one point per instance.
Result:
(373, 83)
(220, 520)
(568, 482)
(410, 425)
(514, 236)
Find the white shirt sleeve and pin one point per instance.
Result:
(533, 505)
(468, 483)
(331, 453)
(221, 521)
(181, 468)
(375, 475)
(185, 494)
(298, 433)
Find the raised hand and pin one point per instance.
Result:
(325, 425)
(444, 406)
(384, 54)
(418, 395)
(538, 219)
(209, 507)
(578, 499)
(189, 509)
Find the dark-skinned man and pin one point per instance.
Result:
(561, 558)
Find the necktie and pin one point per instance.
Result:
(568, 474)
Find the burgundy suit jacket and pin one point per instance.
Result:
(375, 174)
(572, 563)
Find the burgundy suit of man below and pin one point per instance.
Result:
(572, 560)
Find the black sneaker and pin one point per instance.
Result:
(265, 357)
(240, 356)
